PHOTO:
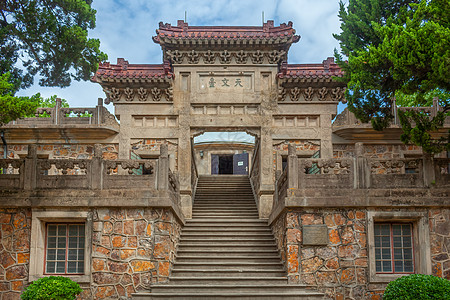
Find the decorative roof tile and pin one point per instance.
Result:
(327, 69)
(185, 32)
(133, 71)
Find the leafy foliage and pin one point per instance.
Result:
(418, 287)
(53, 287)
(395, 48)
(49, 38)
(11, 107)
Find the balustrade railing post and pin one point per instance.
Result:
(292, 171)
(96, 169)
(29, 174)
(98, 112)
(57, 112)
(278, 174)
(163, 167)
(362, 170)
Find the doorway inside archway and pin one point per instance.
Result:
(223, 153)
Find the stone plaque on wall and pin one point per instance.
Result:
(315, 235)
(225, 81)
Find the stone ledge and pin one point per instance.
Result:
(89, 198)
(363, 198)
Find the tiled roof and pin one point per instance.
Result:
(327, 69)
(125, 70)
(185, 32)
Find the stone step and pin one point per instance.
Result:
(219, 221)
(219, 234)
(223, 188)
(229, 265)
(221, 193)
(225, 226)
(225, 210)
(223, 247)
(216, 212)
(218, 288)
(224, 215)
(231, 229)
(230, 237)
(243, 272)
(228, 259)
(247, 206)
(244, 187)
(228, 252)
(227, 242)
(225, 202)
(223, 296)
(229, 280)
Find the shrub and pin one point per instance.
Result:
(418, 287)
(52, 288)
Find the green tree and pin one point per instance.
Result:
(397, 48)
(49, 38)
(11, 107)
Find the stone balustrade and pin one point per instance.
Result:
(360, 173)
(32, 173)
(58, 115)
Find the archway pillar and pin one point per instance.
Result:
(184, 169)
(266, 190)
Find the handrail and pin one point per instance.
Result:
(194, 171)
(255, 155)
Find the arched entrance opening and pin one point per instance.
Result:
(223, 152)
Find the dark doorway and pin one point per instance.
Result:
(229, 163)
(225, 164)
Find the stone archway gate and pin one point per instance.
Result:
(220, 77)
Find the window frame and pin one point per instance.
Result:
(40, 219)
(391, 246)
(420, 239)
(66, 259)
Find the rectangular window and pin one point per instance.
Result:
(394, 248)
(64, 253)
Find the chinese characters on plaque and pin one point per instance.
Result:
(225, 82)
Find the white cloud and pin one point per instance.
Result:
(125, 28)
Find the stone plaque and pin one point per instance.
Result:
(315, 235)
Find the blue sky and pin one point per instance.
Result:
(125, 28)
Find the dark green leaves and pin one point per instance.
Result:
(395, 48)
(49, 38)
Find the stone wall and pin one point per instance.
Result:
(341, 268)
(376, 151)
(74, 151)
(132, 248)
(439, 222)
(14, 251)
(338, 269)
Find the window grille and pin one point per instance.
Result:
(65, 248)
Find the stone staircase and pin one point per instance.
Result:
(226, 251)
